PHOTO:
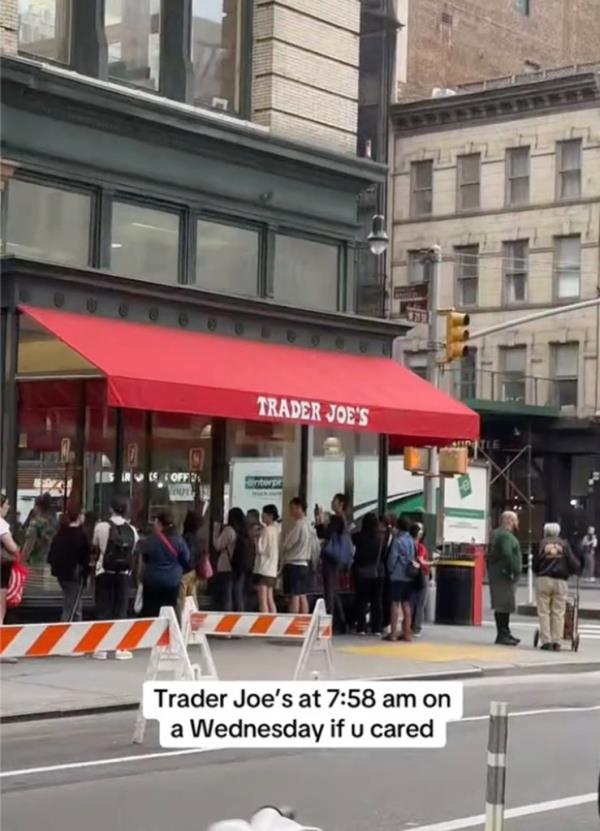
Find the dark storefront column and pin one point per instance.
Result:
(9, 344)
(218, 470)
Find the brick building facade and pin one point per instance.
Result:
(459, 42)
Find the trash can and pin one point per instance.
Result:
(455, 579)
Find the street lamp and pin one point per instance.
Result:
(378, 239)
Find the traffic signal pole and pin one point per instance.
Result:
(433, 376)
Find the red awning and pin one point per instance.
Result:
(150, 367)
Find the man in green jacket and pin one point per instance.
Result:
(504, 564)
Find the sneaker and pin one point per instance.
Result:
(547, 647)
(505, 640)
(123, 655)
(556, 647)
(100, 656)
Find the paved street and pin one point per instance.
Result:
(553, 756)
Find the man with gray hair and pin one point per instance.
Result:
(504, 565)
(553, 564)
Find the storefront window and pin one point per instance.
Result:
(181, 463)
(48, 223)
(306, 273)
(43, 29)
(216, 31)
(144, 243)
(133, 35)
(344, 462)
(263, 465)
(227, 258)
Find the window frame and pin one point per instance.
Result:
(460, 278)
(414, 190)
(556, 272)
(562, 171)
(57, 183)
(67, 63)
(461, 183)
(523, 7)
(512, 376)
(341, 278)
(508, 272)
(571, 379)
(412, 260)
(260, 228)
(510, 178)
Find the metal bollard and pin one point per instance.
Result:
(496, 766)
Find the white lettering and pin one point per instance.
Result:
(305, 411)
(352, 416)
(262, 405)
(296, 409)
(272, 407)
(284, 410)
(330, 416)
(341, 414)
(363, 417)
(316, 410)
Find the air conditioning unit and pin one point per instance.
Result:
(220, 103)
(443, 92)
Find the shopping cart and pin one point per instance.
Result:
(571, 631)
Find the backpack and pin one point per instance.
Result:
(241, 559)
(340, 550)
(118, 556)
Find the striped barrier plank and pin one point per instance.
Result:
(44, 639)
(256, 625)
(496, 766)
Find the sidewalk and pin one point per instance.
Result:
(589, 601)
(52, 686)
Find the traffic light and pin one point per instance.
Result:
(416, 459)
(456, 335)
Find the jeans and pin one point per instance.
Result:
(369, 593)
(231, 591)
(155, 597)
(72, 591)
(418, 607)
(333, 602)
(551, 596)
(112, 596)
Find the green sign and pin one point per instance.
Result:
(464, 486)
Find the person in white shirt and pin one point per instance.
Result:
(8, 551)
(296, 556)
(266, 564)
(114, 542)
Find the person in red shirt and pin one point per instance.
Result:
(419, 598)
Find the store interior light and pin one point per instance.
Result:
(378, 239)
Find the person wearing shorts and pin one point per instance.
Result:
(266, 563)
(400, 559)
(296, 553)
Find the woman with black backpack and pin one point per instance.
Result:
(233, 544)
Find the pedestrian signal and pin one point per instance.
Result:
(416, 459)
(457, 334)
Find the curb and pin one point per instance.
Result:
(584, 614)
(557, 668)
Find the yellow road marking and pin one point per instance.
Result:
(434, 652)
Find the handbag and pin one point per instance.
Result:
(16, 583)
(204, 568)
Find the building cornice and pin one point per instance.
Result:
(125, 111)
(507, 103)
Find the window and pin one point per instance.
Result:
(133, 35)
(227, 258)
(468, 181)
(567, 266)
(467, 375)
(467, 274)
(516, 267)
(306, 273)
(513, 361)
(420, 269)
(144, 243)
(568, 155)
(48, 223)
(43, 29)
(517, 185)
(421, 186)
(566, 372)
(216, 30)
(523, 6)
(417, 363)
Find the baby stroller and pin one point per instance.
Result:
(571, 632)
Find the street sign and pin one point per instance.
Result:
(411, 297)
(196, 459)
(132, 455)
(465, 488)
(65, 450)
(417, 315)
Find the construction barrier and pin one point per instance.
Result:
(496, 766)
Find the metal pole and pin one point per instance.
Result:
(530, 519)
(555, 310)
(431, 479)
(496, 766)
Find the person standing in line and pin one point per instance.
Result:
(589, 546)
(553, 564)
(388, 524)
(421, 585)
(368, 567)
(232, 542)
(114, 543)
(402, 563)
(336, 527)
(165, 559)
(297, 551)
(504, 566)
(40, 532)
(266, 563)
(69, 559)
(8, 551)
